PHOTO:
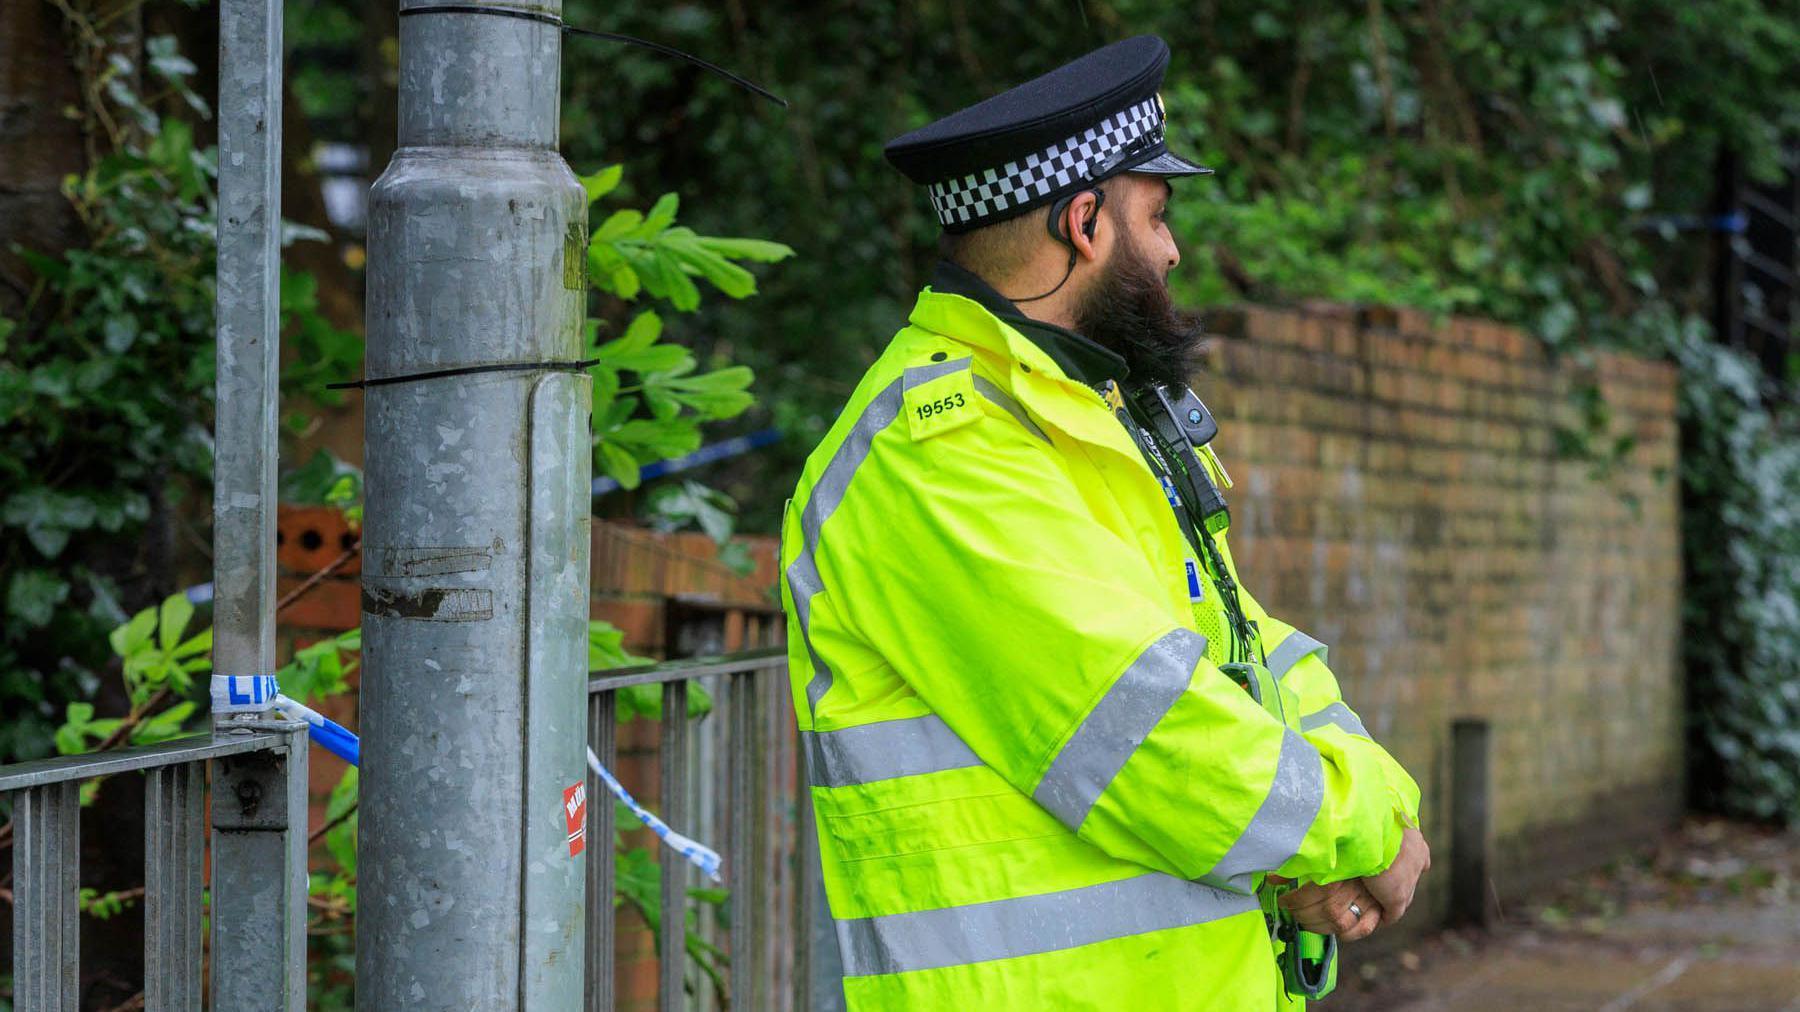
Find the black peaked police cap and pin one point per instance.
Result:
(1054, 135)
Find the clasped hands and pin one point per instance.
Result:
(1379, 900)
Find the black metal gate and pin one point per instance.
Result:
(1757, 270)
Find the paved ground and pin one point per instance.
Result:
(1708, 919)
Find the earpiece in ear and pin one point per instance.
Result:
(1055, 222)
(1061, 207)
(1087, 227)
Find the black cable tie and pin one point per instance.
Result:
(465, 370)
(632, 40)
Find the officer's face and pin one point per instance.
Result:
(1143, 220)
(1127, 307)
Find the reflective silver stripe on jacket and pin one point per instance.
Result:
(1008, 405)
(1027, 925)
(1117, 725)
(1291, 650)
(882, 751)
(828, 492)
(1275, 832)
(1337, 714)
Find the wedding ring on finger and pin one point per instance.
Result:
(1356, 911)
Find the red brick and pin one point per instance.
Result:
(332, 603)
(309, 538)
(640, 618)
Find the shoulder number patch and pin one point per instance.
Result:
(939, 397)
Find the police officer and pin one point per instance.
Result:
(1059, 757)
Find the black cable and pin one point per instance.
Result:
(1166, 457)
(1054, 224)
(465, 370)
(1068, 272)
(631, 40)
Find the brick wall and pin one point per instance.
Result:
(1400, 496)
(637, 575)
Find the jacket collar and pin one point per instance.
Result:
(1035, 379)
(1081, 358)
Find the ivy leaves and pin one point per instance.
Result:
(650, 395)
(49, 517)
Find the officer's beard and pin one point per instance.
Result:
(1128, 309)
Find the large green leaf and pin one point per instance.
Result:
(132, 637)
(758, 250)
(657, 439)
(618, 463)
(176, 611)
(616, 226)
(600, 183)
(726, 276)
(661, 215)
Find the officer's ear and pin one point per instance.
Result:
(1075, 219)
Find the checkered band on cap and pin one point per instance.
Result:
(984, 194)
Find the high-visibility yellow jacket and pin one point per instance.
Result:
(1033, 787)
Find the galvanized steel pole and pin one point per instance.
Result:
(249, 339)
(475, 567)
(259, 802)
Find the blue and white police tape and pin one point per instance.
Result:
(259, 693)
(243, 693)
(702, 857)
(326, 733)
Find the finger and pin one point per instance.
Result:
(1317, 923)
(1396, 909)
(1348, 906)
(1365, 925)
(1305, 898)
(1353, 905)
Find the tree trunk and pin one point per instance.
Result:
(39, 142)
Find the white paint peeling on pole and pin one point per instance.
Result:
(473, 712)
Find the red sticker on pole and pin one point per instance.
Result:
(575, 810)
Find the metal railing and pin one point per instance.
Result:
(756, 805)
(737, 777)
(258, 777)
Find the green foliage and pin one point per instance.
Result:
(155, 656)
(711, 510)
(638, 878)
(634, 254)
(106, 390)
(606, 648)
(325, 480)
(158, 663)
(606, 652)
(105, 905)
(1741, 641)
(320, 669)
(317, 351)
